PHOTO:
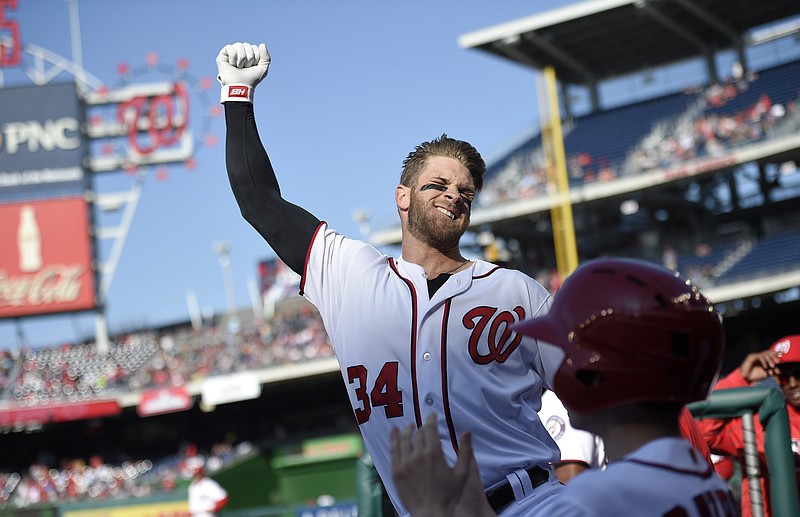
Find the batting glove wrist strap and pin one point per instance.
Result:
(241, 67)
(236, 92)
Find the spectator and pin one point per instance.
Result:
(780, 362)
(580, 450)
(206, 496)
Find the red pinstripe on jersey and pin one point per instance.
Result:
(413, 292)
(308, 255)
(445, 397)
(476, 277)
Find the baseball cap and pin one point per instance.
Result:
(788, 349)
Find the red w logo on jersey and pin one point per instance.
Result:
(499, 341)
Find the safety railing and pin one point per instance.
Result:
(770, 405)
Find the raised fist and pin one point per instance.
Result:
(241, 67)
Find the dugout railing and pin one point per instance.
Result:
(768, 402)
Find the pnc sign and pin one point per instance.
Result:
(54, 139)
(35, 136)
(41, 143)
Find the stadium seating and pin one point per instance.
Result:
(95, 479)
(655, 133)
(773, 253)
(607, 137)
(781, 83)
(149, 359)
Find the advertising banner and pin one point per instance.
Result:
(66, 412)
(45, 257)
(42, 147)
(131, 508)
(166, 400)
(230, 388)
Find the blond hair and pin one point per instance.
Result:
(447, 147)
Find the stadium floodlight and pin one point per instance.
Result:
(362, 217)
(629, 207)
(223, 250)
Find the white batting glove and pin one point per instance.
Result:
(241, 67)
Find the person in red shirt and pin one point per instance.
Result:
(692, 432)
(725, 436)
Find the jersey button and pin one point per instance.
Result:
(426, 356)
(429, 401)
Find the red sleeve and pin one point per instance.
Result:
(732, 380)
(220, 504)
(691, 431)
(724, 435)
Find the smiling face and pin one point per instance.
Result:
(789, 380)
(438, 202)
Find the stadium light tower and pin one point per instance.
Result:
(223, 249)
(362, 217)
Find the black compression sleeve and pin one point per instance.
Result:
(286, 227)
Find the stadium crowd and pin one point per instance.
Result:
(150, 358)
(712, 134)
(138, 361)
(703, 130)
(76, 479)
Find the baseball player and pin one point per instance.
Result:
(580, 450)
(781, 363)
(639, 342)
(206, 496)
(424, 333)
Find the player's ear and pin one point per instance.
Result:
(402, 196)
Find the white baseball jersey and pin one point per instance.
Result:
(665, 477)
(575, 445)
(204, 495)
(404, 355)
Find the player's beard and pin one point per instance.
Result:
(432, 227)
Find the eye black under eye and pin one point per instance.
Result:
(434, 186)
(467, 197)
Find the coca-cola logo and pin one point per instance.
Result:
(57, 283)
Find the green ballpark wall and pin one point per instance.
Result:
(285, 484)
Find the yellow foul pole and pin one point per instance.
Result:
(556, 162)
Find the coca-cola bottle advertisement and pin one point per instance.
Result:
(45, 257)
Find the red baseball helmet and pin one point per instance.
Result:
(631, 332)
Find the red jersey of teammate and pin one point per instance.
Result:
(726, 436)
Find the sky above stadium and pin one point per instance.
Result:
(353, 87)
